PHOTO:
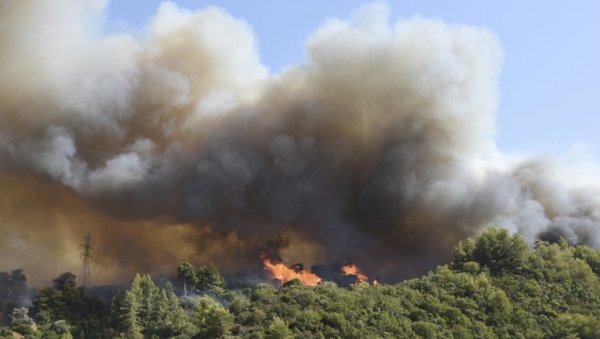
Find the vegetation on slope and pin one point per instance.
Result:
(495, 287)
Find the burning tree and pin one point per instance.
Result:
(283, 273)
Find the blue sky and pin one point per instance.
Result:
(550, 82)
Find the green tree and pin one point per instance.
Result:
(576, 326)
(278, 329)
(200, 279)
(211, 318)
(62, 301)
(186, 275)
(65, 301)
(494, 249)
(20, 321)
(6, 333)
(13, 292)
(209, 277)
(463, 253)
(590, 256)
(124, 311)
(424, 329)
(59, 329)
(146, 310)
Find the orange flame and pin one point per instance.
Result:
(284, 274)
(353, 270)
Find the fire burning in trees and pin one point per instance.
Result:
(284, 274)
(354, 270)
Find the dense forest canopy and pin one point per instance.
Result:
(494, 287)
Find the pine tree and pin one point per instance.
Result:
(127, 316)
(212, 320)
(150, 311)
(209, 277)
(178, 318)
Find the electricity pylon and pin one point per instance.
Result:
(85, 275)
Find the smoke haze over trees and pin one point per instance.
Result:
(181, 146)
(495, 287)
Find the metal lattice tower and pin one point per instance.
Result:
(85, 275)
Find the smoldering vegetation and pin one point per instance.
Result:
(178, 144)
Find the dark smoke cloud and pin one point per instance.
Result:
(181, 146)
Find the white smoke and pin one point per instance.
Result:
(381, 145)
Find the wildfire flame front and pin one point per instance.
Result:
(354, 270)
(283, 274)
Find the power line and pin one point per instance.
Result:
(85, 275)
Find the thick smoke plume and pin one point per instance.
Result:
(178, 144)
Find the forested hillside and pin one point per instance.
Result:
(495, 287)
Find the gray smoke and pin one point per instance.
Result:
(180, 145)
